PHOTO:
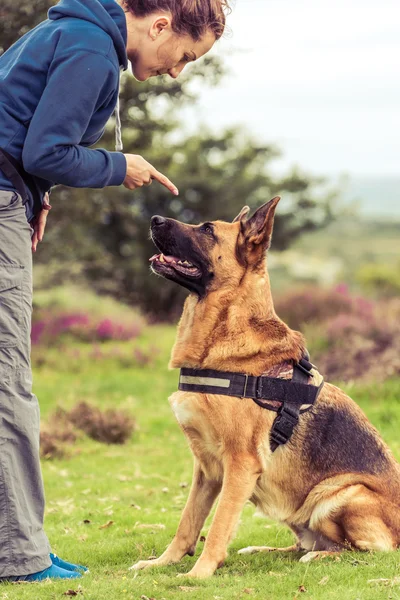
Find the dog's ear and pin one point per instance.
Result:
(243, 213)
(258, 229)
(256, 233)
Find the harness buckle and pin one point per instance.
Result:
(305, 366)
(284, 425)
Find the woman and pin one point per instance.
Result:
(58, 87)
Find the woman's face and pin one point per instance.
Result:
(153, 48)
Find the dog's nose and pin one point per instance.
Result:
(157, 220)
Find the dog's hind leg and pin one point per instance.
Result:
(366, 531)
(361, 523)
(200, 501)
(240, 476)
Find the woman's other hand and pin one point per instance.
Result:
(39, 223)
(140, 172)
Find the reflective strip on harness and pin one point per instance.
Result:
(213, 381)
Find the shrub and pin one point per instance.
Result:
(57, 432)
(76, 359)
(359, 347)
(109, 427)
(314, 304)
(349, 337)
(50, 446)
(51, 328)
(62, 428)
(381, 278)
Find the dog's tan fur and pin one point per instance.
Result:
(304, 484)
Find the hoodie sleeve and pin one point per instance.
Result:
(77, 86)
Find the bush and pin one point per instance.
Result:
(313, 304)
(349, 337)
(51, 328)
(57, 432)
(62, 428)
(109, 427)
(76, 358)
(360, 347)
(50, 446)
(380, 278)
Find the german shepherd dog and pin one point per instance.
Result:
(334, 483)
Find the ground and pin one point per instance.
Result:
(110, 506)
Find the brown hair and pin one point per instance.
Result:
(193, 17)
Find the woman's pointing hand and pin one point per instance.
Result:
(140, 172)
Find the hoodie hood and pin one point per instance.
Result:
(106, 14)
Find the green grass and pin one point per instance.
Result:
(102, 483)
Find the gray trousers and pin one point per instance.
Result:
(24, 547)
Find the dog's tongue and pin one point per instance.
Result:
(167, 259)
(170, 259)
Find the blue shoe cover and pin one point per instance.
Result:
(52, 572)
(66, 565)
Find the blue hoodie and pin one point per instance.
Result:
(58, 87)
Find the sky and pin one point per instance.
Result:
(319, 79)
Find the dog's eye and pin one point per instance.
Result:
(206, 228)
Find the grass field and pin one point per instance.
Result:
(141, 488)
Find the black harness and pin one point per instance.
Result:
(296, 395)
(20, 179)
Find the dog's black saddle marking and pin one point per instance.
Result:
(296, 395)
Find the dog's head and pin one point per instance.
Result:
(215, 254)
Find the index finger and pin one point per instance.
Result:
(34, 241)
(42, 225)
(164, 181)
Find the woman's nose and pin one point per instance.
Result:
(175, 71)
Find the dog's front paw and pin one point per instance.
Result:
(202, 569)
(143, 564)
(202, 573)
